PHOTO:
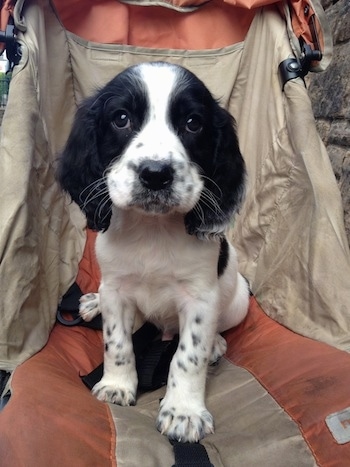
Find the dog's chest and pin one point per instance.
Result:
(159, 266)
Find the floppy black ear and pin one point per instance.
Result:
(81, 169)
(224, 180)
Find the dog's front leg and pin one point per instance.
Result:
(119, 382)
(183, 415)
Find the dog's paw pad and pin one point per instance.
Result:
(113, 394)
(89, 306)
(186, 425)
(219, 349)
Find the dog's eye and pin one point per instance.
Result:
(193, 124)
(121, 120)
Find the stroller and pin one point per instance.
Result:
(280, 395)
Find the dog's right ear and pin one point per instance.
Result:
(81, 170)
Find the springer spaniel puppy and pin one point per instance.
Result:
(154, 163)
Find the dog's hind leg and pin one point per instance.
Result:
(219, 349)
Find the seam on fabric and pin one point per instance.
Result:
(113, 437)
(139, 50)
(164, 4)
(54, 11)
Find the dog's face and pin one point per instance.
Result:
(154, 140)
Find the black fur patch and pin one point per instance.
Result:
(223, 256)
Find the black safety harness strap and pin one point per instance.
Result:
(190, 455)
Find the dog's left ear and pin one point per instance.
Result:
(224, 181)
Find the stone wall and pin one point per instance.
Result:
(330, 95)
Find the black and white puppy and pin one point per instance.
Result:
(154, 163)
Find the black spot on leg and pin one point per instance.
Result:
(198, 319)
(181, 365)
(193, 359)
(182, 347)
(108, 332)
(106, 347)
(139, 145)
(196, 340)
(120, 362)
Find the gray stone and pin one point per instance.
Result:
(330, 96)
(330, 90)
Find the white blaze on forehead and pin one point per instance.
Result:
(159, 81)
(158, 141)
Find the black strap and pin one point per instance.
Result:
(190, 455)
(4, 377)
(153, 366)
(69, 306)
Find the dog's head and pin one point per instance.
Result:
(154, 140)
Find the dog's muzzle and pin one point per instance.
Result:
(154, 188)
(156, 175)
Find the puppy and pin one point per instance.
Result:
(154, 163)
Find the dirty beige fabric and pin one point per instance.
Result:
(39, 246)
(254, 432)
(289, 236)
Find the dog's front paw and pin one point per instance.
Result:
(219, 349)
(186, 423)
(115, 393)
(89, 306)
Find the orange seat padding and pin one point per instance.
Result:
(52, 418)
(109, 21)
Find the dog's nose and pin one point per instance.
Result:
(156, 175)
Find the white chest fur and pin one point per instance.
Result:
(154, 263)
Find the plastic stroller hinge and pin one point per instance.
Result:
(13, 49)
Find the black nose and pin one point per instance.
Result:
(156, 175)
